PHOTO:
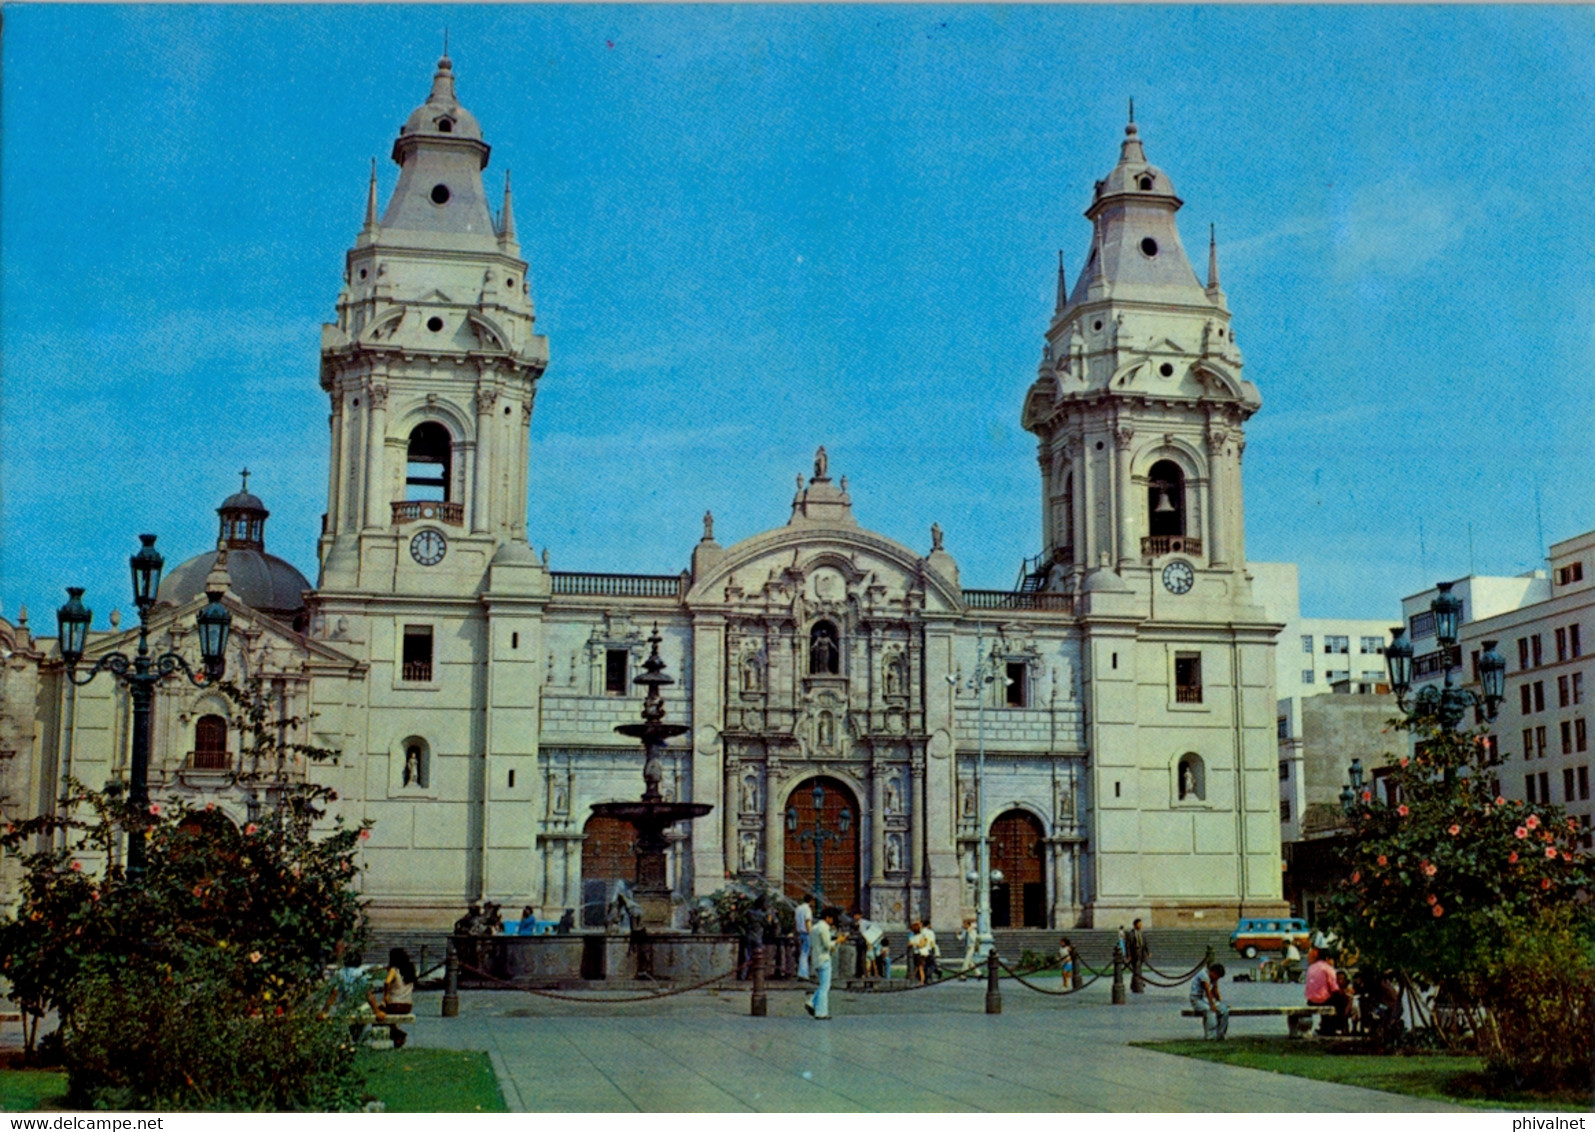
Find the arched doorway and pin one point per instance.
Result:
(831, 846)
(609, 854)
(1020, 901)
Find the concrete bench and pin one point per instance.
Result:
(381, 1036)
(1298, 1019)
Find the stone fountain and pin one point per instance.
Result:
(651, 815)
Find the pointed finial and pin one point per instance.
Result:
(1063, 290)
(245, 475)
(1132, 107)
(708, 526)
(1212, 257)
(446, 49)
(506, 234)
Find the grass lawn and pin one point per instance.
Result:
(431, 1080)
(1433, 1076)
(409, 1080)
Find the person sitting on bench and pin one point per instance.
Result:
(398, 994)
(1324, 988)
(1206, 1001)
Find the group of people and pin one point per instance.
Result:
(1379, 1012)
(393, 997)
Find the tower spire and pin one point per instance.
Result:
(506, 224)
(1212, 259)
(1063, 289)
(371, 201)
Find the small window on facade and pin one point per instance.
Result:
(1578, 687)
(1528, 788)
(1522, 652)
(1188, 677)
(1568, 794)
(1284, 809)
(416, 661)
(1165, 493)
(1545, 786)
(1567, 736)
(825, 654)
(1528, 743)
(1583, 787)
(1561, 644)
(615, 672)
(1580, 737)
(1561, 691)
(1526, 695)
(1306, 642)
(1308, 675)
(1146, 184)
(1537, 650)
(1337, 645)
(1539, 695)
(210, 743)
(1575, 647)
(1374, 645)
(1017, 684)
(1284, 772)
(1539, 742)
(1282, 729)
(515, 640)
(428, 462)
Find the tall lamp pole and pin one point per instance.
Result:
(985, 674)
(142, 672)
(1445, 705)
(818, 835)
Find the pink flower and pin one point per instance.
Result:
(1546, 883)
(209, 806)
(251, 829)
(1499, 801)
(1402, 810)
(365, 835)
(1383, 860)
(1429, 870)
(254, 957)
(155, 809)
(198, 892)
(94, 896)
(1454, 830)
(1367, 795)
(1520, 833)
(77, 866)
(1433, 899)
(1550, 854)
(1355, 876)
(1438, 910)
(1533, 822)
(1404, 760)
(1511, 858)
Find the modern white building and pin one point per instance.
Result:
(1129, 739)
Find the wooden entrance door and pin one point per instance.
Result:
(1021, 900)
(609, 854)
(838, 850)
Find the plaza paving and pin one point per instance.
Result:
(932, 1050)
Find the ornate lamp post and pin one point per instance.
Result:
(142, 672)
(986, 673)
(818, 835)
(1445, 705)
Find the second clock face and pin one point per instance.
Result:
(1178, 577)
(428, 547)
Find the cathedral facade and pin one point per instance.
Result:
(842, 689)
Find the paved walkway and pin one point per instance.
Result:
(934, 1050)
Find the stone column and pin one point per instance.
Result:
(481, 489)
(774, 840)
(1217, 496)
(1123, 437)
(335, 467)
(521, 448)
(730, 822)
(1238, 521)
(1089, 535)
(376, 456)
(573, 896)
(877, 822)
(916, 822)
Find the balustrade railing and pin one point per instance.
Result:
(617, 585)
(1008, 599)
(1154, 545)
(412, 510)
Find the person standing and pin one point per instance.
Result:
(1069, 964)
(1207, 1002)
(822, 951)
(971, 939)
(1139, 953)
(802, 925)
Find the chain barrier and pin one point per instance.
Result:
(945, 978)
(1178, 980)
(1043, 990)
(598, 1001)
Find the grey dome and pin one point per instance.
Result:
(261, 581)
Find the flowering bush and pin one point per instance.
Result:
(222, 926)
(1438, 883)
(1538, 1031)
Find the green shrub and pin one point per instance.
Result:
(1539, 999)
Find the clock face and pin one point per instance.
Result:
(428, 547)
(1178, 577)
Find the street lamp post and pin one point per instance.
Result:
(819, 836)
(142, 672)
(985, 674)
(1445, 705)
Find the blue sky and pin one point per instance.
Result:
(753, 230)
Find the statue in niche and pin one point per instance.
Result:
(826, 730)
(894, 853)
(1064, 804)
(561, 799)
(894, 796)
(1187, 781)
(894, 676)
(750, 795)
(752, 677)
(966, 806)
(412, 767)
(749, 858)
(822, 464)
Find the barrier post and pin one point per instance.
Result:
(451, 982)
(993, 994)
(1118, 979)
(758, 1005)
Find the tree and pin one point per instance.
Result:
(224, 934)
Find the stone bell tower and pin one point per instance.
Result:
(431, 369)
(1138, 409)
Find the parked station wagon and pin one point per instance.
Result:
(1253, 936)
